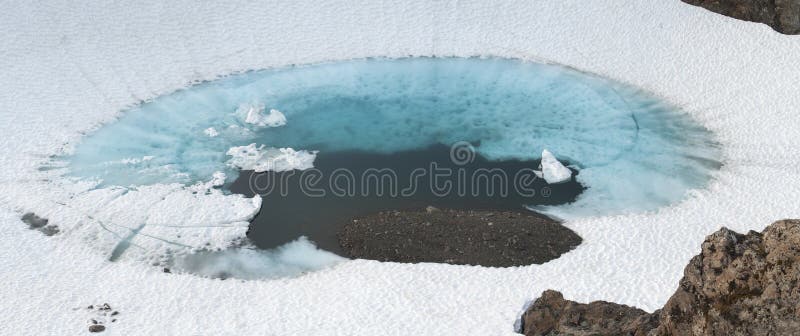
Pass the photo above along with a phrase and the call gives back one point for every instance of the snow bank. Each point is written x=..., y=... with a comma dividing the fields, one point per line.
x=262, y=158
x=292, y=259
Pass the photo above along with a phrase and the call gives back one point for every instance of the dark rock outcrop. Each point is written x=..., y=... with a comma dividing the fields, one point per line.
x=552, y=315
x=781, y=15
x=473, y=237
x=738, y=285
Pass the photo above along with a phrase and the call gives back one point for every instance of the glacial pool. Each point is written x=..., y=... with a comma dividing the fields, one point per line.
x=631, y=151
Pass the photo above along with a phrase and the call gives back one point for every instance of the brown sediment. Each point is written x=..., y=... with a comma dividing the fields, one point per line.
x=470, y=237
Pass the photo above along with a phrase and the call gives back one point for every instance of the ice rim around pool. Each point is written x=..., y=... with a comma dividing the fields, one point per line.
x=633, y=152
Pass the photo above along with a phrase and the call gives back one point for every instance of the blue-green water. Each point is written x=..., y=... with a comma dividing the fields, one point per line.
x=634, y=152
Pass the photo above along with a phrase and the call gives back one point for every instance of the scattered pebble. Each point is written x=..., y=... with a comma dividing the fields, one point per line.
x=33, y=220
x=101, y=313
x=40, y=224
x=95, y=328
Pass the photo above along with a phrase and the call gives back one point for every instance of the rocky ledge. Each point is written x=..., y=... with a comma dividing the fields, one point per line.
x=781, y=15
x=738, y=285
x=472, y=237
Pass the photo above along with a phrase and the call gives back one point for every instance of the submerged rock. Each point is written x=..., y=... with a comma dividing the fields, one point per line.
x=781, y=15
x=739, y=284
x=487, y=238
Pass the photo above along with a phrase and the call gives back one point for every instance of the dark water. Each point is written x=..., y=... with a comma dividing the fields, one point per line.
x=293, y=206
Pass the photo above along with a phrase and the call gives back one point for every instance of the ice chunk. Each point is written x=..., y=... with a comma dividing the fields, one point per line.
x=254, y=114
x=217, y=180
x=135, y=161
x=552, y=170
x=264, y=158
x=211, y=132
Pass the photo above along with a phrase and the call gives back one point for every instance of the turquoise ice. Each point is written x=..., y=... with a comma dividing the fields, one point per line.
x=633, y=151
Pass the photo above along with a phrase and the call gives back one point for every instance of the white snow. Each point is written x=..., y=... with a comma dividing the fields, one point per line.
x=552, y=170
x=217, y=180
x=263, y=158
x=70, y=67
x=211, y=132
x=291, y=259
x=254, y=114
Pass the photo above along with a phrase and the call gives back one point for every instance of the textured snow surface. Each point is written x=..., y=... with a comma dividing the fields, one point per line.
x=288, y=260
x=70, y=67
